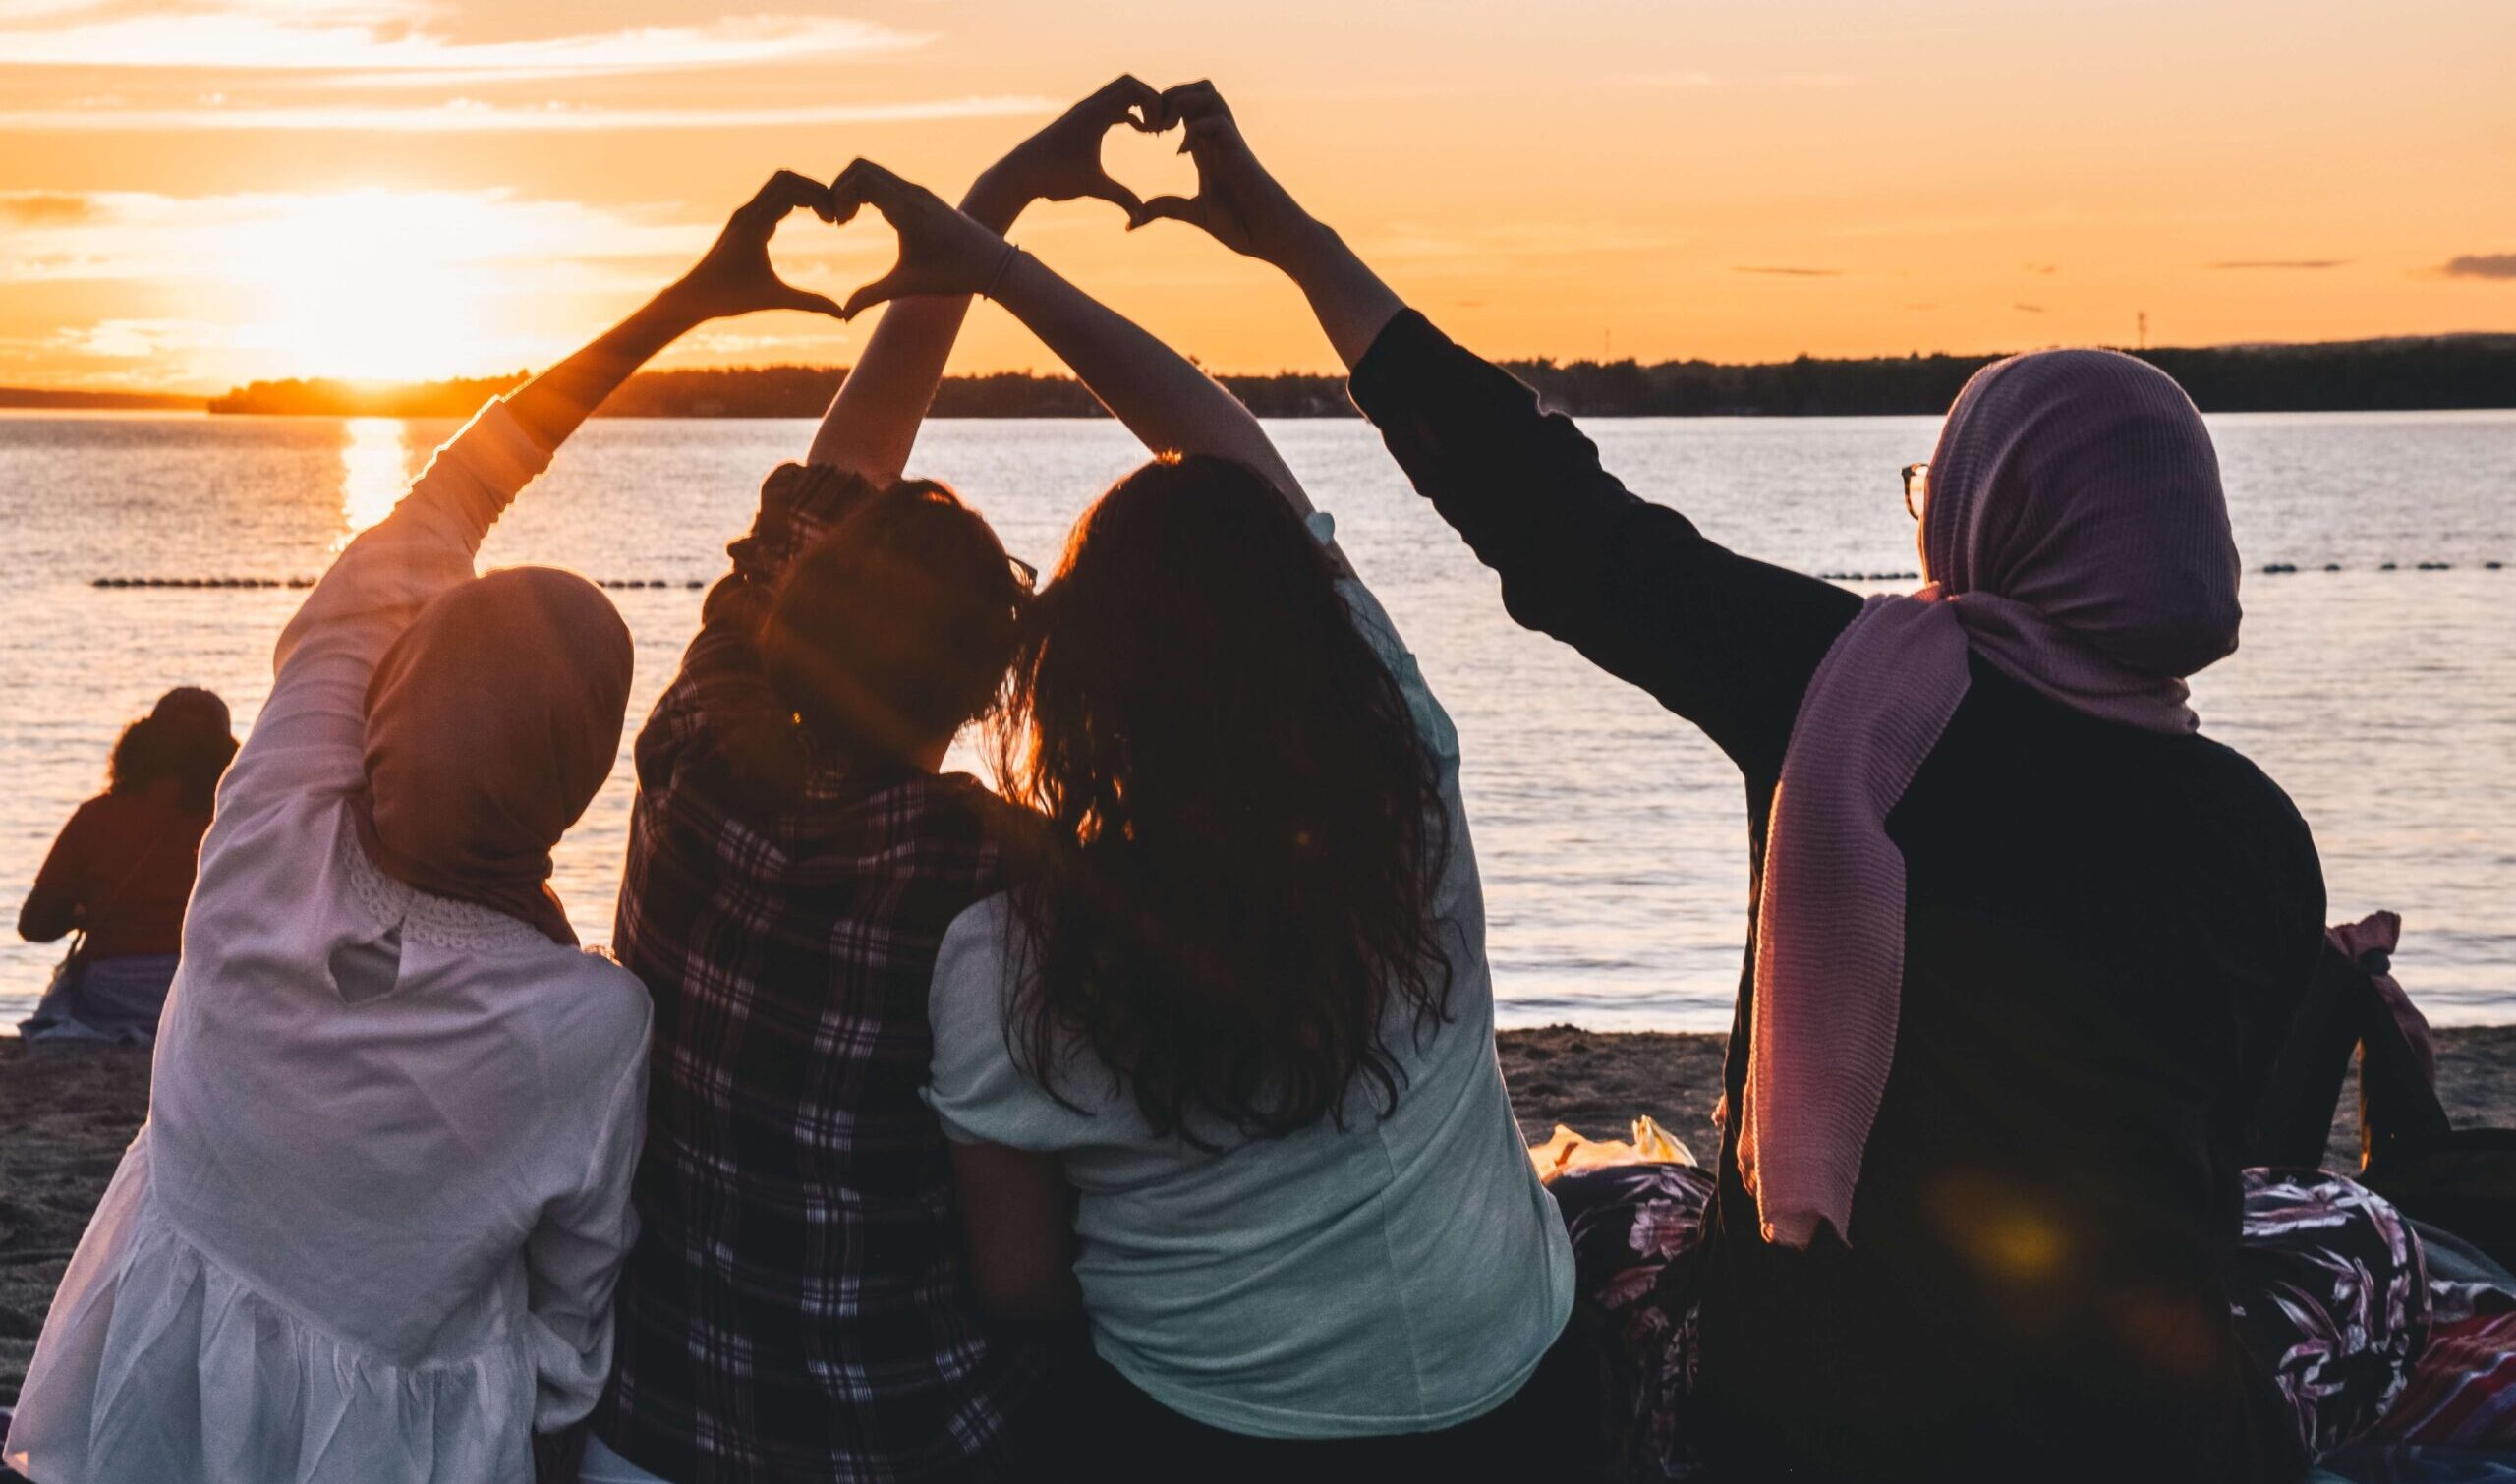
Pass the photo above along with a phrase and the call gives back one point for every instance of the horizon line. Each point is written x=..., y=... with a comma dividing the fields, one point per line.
x=388, y=385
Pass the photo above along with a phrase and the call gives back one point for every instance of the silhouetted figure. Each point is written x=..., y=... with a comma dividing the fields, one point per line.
x=121, y=871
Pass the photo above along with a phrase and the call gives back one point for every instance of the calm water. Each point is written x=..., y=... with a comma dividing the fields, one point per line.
x=1611, y=835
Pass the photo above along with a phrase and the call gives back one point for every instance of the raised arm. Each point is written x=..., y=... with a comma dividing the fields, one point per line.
x=1723, y=640
x=311, y=734
x=1170, y=405
x=873, y=423
x=733, y=278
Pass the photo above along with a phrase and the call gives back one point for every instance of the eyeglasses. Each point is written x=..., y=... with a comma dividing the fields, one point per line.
x=1916, y=488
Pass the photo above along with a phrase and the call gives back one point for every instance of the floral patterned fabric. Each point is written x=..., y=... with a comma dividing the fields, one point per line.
x=1638, y=1254
x=2331, y=1293
x=2329, y=1290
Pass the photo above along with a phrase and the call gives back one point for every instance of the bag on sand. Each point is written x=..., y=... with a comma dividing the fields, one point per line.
x=2463, y=1179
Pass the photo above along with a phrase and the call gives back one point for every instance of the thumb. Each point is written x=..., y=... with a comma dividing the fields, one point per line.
x=882, y=290
x=1109, y=190
x=811, y=302
x=1170, y=208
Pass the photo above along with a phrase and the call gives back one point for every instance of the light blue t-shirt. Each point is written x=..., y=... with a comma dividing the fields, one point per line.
x=1399, y=1275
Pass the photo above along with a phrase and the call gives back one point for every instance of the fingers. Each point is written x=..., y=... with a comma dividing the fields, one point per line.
x=864, y=183
x=881, y=291
x=1109, y=190
x=1190, y=100
x=784, y=191
x=1133, y=99
x=855, y=184
x=1170, y=208
x=810, y=302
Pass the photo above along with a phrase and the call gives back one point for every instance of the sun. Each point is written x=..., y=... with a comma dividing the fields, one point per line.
x=366, y=285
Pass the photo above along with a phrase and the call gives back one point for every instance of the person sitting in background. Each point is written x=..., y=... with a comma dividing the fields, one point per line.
x=120, y=873
x=1219, y=1066
x=370, y=1230
x=2023, y=941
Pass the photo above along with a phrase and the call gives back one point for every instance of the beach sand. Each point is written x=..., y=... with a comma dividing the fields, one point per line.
x=64, y=1115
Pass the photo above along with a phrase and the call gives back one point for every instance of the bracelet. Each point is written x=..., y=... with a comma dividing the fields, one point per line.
x=1003, y=265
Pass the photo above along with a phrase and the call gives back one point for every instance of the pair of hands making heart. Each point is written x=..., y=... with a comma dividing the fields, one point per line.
x=947, y=252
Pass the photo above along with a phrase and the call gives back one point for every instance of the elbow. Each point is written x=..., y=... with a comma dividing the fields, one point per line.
x=1027, y=1297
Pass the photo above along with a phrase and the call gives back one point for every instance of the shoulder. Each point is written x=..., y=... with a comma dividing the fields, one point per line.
x=91, y=819
x=2232, y=794
x=956, y=815
x=975, y=968
x=596, y=1014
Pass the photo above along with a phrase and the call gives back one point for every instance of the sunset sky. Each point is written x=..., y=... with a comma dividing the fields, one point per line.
x=194, y=195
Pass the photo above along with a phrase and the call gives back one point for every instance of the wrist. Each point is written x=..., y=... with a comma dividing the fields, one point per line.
x=993, y=202
x=1309, y=247
x=673, y=311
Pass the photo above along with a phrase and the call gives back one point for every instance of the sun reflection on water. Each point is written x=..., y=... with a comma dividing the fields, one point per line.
x=375, y=471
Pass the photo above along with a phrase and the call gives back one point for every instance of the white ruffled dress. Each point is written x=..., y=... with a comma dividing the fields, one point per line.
x=371, y=1229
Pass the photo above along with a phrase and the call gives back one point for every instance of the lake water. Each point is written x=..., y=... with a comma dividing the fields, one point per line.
x=1612, y=837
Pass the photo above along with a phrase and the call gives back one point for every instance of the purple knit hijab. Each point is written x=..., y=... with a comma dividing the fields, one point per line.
x=2076, y=537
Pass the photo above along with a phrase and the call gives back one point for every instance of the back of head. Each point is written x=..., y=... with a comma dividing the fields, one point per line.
x=490, y=723
x=895, y=628
x=2083, y=485
x=1243, y=825
x=183, y=742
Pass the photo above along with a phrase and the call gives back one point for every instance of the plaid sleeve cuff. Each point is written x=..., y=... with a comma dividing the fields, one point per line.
x=798, y=502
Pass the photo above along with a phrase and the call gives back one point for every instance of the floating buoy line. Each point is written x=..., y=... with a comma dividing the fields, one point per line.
x=695, y=585
x=2267, y=569
x=618, y=584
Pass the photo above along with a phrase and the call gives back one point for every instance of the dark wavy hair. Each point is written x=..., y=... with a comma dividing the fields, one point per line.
x=1242, y=828
x=159, y=749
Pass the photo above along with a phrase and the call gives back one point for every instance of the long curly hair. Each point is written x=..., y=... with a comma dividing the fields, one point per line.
x=1230, y=902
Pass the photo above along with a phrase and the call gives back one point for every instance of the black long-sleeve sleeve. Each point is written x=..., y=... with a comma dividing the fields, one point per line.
x=1723, y=640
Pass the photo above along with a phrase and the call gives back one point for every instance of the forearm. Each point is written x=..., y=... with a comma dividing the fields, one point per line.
x=1352, y=301
x=553, y=404
x=873, y=422
x=1163, y=398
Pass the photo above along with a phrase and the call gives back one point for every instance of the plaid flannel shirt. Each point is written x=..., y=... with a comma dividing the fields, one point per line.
x=796, y=1307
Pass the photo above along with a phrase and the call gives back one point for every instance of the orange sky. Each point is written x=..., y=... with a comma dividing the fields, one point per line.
x=198, y=194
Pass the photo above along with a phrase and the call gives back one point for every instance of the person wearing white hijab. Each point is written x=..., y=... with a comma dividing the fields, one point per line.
x=370, y=1232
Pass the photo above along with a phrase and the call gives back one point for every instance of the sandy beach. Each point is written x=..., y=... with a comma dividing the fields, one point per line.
x=66, y=1114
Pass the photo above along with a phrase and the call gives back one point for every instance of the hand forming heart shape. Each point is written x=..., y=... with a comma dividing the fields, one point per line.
x=942, y=250
x=735, y=277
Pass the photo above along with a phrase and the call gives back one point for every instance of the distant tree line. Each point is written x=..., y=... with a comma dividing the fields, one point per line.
x=2442, y=371
x=64, y=399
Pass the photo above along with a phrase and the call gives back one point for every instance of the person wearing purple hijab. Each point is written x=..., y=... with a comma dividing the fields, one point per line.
x=2023, y=941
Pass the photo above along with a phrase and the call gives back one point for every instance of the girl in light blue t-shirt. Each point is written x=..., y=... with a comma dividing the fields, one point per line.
x=1219, y=1069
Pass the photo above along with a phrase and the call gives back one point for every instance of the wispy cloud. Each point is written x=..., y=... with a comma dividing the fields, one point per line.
x=2284, y=263
x=387, y=41
x=1787, y=272
x=146, y=236
x=45, y=208
x=473, y=116
x=1480, y=244
x=2481, y=265
x=134, y=339
x=1688, y=79
x=2029, y=309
